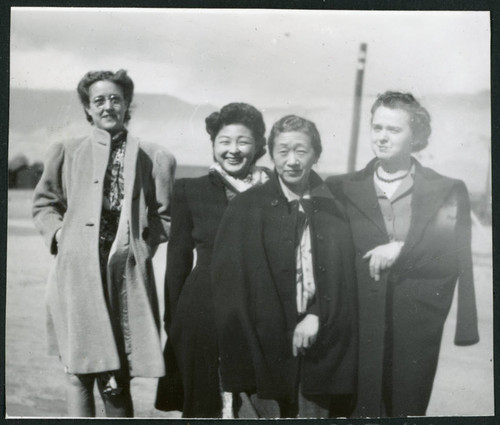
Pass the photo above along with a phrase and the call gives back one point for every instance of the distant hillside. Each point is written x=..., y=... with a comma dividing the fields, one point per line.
x=32, y=109
x=459, y=145
x=38, y=117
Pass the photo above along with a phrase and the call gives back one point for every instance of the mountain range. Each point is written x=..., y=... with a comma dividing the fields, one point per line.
x=459, y=144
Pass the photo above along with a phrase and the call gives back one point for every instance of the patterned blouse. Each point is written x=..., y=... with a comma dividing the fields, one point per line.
x=304, y=274
x=113, y=193
x=113, y=180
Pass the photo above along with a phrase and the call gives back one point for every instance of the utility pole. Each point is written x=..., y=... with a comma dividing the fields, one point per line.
x=358, y=91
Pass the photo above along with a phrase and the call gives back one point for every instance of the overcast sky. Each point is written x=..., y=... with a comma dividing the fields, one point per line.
x=266, y=57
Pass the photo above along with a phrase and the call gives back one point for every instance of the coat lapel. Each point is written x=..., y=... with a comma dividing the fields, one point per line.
x=215, y=195
x=360, y=190
x=429, y=194
x=129, y=172
x=278, y=231
x=100, y=153
x=218, y=187
x=319, y=189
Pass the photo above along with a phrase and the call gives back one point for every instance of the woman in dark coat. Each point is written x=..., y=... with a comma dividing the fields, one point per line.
x=412, y=232
x=102, y=206
x=283, y=279
x=192, y=380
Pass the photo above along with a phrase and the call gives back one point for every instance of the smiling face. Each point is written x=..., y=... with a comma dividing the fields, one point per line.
x=391, y=135
x=107, y=106
x=294, y=156
x=234, y=149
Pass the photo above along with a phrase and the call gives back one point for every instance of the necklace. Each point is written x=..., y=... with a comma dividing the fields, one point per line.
x=390, y=180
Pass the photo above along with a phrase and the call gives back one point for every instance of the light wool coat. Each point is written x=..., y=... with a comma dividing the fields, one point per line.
x=69, y=197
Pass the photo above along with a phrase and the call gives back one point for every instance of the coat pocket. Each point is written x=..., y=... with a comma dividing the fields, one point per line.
x=435, y=294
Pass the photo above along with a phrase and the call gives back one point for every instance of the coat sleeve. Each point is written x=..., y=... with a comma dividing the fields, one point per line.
x=159, y=208
x=179, y=250
x=467, y=328
x=49, y=197
x=235, y=263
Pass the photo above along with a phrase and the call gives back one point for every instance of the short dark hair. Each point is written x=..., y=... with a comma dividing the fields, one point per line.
x=295, y=123
x=420, y=119
x=239, y=113
x=119, y=77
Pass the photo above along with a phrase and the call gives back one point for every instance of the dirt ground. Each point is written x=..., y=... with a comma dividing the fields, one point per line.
x=35, y=381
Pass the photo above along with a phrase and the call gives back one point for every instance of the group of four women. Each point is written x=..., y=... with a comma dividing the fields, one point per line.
x=307, y=299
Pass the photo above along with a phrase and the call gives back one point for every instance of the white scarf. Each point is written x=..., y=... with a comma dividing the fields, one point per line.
x=257, y=175
x=304, y=274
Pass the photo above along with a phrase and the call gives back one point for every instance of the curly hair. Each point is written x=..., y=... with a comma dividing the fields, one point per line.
x=239, y=113
x=119, y=77
x=420, y=119
x=295, y=123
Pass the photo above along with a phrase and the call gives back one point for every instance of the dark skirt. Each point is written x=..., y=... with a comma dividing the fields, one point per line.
x=191, y=383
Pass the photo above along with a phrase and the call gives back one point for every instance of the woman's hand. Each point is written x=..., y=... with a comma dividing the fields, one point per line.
x=305, y=334
x=382, y=257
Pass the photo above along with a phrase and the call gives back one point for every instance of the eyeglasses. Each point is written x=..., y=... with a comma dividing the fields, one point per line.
x=114, y=100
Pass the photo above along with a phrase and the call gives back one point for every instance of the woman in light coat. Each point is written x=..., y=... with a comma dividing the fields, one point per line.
x=412, y=231
x=102, y=207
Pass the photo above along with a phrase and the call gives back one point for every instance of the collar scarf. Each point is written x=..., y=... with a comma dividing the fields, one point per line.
x=257, y=175
x=292, y=196
x=119, y=138
x=304, y=271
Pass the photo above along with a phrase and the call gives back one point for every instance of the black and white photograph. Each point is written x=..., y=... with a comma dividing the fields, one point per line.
x=249, y=213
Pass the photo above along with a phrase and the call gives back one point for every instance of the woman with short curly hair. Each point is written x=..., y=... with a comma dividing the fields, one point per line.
x=283, y=285
x=102, y=206
x=412, y=232
x=192, y=381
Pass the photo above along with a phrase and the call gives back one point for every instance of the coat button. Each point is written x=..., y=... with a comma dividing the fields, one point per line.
x=89, y=224
x=320, y=237
x=274, y=202
x=322, y=269
x=96, y=181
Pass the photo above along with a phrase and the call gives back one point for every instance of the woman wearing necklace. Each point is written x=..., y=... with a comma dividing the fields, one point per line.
x=412, y=233
x=191, y=384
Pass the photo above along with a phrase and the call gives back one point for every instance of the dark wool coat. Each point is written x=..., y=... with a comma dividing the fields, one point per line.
x=192, y=382
x=401, y=316
x=254, y=281
x=69, y=197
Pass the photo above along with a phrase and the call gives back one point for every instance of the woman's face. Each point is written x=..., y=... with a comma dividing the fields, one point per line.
x=294, y=157
x=391, y=134
x=107, y=106
x=234, y=149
